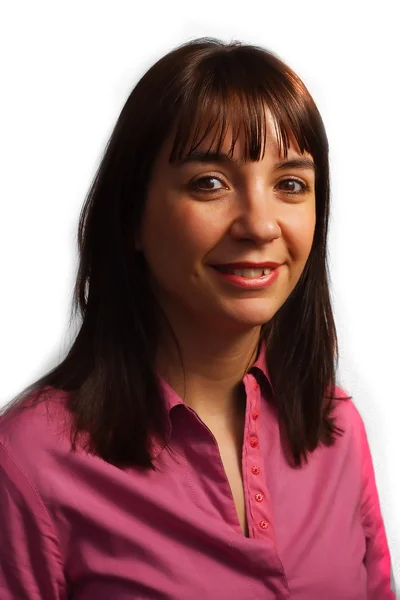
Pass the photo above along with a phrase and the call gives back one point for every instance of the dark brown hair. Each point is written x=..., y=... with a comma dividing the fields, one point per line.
x=109, y=369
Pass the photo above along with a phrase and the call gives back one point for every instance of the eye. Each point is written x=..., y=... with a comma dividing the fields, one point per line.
x=291, y=183
x=195, y=184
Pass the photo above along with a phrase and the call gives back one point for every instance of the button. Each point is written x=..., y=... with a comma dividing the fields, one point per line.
x=263, y=524
x=253, y=442
x=255, y=386
x=255, y=470
x=259, y=497
x=255, y=415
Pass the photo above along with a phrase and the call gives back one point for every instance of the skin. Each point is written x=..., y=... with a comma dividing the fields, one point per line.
x=252, y=216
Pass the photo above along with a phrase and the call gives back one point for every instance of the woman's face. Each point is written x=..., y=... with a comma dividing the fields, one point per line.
x=204, y=220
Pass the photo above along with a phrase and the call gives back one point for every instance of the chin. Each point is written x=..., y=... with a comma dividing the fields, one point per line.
x=251, y=318
x=252, y=322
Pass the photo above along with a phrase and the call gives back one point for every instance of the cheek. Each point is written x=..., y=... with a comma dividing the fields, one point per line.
x=299, y=233
x=201, y=230
x=178, y=234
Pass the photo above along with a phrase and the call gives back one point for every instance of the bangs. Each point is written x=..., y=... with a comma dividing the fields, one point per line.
x=226, y=95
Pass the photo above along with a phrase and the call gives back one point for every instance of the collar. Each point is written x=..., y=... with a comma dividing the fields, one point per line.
x=260, y=363
x=172, y=399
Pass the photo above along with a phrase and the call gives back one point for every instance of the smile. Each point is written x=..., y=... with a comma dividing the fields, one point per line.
x=249, y=279
x=247, y=273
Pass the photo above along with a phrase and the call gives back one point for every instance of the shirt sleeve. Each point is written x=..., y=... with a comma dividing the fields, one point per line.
x=377, y=556
x=30, y=559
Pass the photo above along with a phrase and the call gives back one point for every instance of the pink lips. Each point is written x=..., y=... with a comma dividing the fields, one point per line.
x=245, y=282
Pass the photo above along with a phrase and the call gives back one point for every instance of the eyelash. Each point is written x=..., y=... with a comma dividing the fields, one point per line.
x=304, y=186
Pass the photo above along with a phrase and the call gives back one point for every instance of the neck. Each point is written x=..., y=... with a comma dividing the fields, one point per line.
x=213, y=368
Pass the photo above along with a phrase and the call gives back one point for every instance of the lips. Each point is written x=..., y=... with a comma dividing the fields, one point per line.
x=248, y=270
x=248, y=276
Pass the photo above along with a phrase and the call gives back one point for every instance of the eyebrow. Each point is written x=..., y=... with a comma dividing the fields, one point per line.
x=217, y=157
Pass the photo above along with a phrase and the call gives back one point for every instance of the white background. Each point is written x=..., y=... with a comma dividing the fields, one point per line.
x=67, y=69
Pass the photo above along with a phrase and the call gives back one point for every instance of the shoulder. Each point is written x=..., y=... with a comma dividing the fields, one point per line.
x=349, y=432
x=354, y=440
x=37, y=465
x=36, y=426
x=346, y=413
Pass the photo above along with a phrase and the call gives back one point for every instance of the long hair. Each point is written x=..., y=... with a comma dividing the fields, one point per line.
x=113, y=392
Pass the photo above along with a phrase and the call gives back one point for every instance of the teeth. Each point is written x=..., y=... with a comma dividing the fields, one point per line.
x=251, y=273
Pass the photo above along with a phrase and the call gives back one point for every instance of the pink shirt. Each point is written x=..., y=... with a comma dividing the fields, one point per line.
x=73, y=526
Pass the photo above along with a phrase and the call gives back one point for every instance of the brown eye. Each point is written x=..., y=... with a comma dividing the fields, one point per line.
x=294, y=186
x=205, y=184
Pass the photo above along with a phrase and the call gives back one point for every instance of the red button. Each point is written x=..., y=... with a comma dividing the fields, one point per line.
x=259, y=497
x=255, y=470
x=253, y=442
x=255, y=415
x=263, y=524
x=255, y=386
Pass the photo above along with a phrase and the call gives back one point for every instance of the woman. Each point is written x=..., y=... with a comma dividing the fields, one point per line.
x=211, y=453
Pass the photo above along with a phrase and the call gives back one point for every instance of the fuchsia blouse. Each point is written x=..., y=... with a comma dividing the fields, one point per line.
x=73, y=526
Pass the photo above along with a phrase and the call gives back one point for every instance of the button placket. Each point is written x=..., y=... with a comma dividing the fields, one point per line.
x=257, y=497
x=254, y=441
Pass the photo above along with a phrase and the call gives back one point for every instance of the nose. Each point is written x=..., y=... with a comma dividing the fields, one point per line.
x=257, y=219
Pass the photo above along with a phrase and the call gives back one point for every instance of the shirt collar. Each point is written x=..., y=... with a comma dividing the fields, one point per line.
x=172, y=399
x=260, y=363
